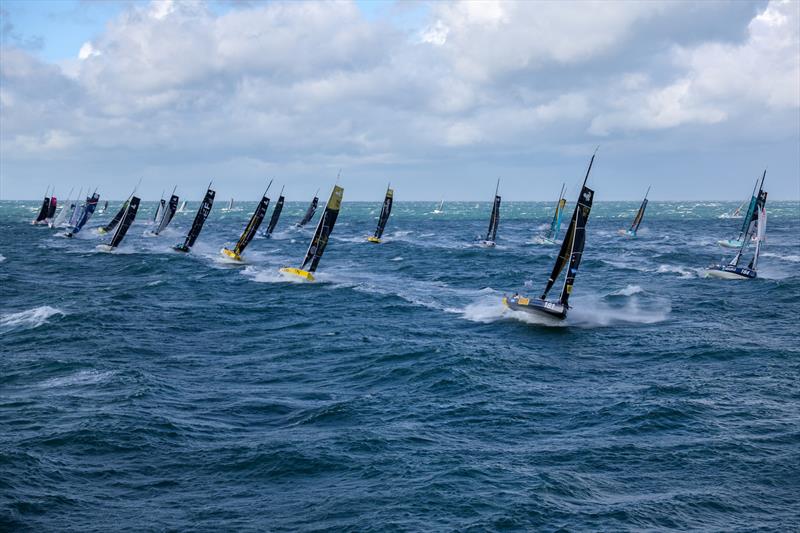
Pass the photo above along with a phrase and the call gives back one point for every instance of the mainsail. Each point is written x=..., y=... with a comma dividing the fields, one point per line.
x=637, y=220
x=386, y=210
x=752, y=215
x=127, y=220
x=755, y=227
x=574, y=241
x=312, y=208
x=167, y=213
x=494, y=219
x=276, y=214
x=182, y=208
x=323, y=231
x=85, y=214
x=43, y=209
x=199, y=220
x=114, y=221
x=555, y=224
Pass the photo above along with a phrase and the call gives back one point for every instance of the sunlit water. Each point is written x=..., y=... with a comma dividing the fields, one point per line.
x=151, y=390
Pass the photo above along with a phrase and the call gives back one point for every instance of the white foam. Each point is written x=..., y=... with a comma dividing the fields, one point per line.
x=30, y=319
x=629, y=290
x=83, y=377
x=2, y=258
x=398, y=258
x=685, y=273
x=790, y=258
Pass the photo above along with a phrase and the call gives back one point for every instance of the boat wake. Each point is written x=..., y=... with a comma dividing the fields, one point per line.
x=30, y=319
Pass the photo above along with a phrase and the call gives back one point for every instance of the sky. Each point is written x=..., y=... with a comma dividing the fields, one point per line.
x=439, y=98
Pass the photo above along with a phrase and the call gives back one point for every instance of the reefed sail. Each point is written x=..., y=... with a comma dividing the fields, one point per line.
x=312, y=208
x=320, y=239
x=251, y=228
x=569, y=255
x=637, y=220
x=122, y=229
x=494, y=220
x=199, y=220
x=383, y=218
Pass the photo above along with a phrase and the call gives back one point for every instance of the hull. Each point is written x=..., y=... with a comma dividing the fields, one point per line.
x=373, y=239
x=104, y=248
x=545, y=241
x=488, y=244
x=101, y=231
x=627, y=233
x=181, y=248
x=230, y=254
x=296, y=272
x=730, y=272
x=730, y=243
x=536, y=307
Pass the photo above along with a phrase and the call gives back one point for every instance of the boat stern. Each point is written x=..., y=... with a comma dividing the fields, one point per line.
x=730, y=272
x=230, y=254
x=373, y=239
x=296, y=272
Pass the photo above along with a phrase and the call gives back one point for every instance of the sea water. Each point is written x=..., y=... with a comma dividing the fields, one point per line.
x=152, y=390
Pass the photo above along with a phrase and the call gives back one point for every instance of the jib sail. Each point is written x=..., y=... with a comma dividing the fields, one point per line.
x=555, y=224
x=167, y=213
x=323, y=231
x=199, y=219
x=572, y=247
x=312, y=208
x=114, y=221
x=125, y=223
x=494, y=219
x=386, y=210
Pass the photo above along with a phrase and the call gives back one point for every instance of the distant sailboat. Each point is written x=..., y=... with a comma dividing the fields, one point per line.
x=494, y=220
x=86, y=212
x=182, y=208
x=62, y=213
x=383, y=218
x=550, y=237
x=103, y=209
x=166, y=215
x=51, y=210
x=637, y=220
x=249, y=230
x=199, y=220
x=312, y=208
x=439, y=210
x=570, y=256
x=276, y=214
x=42, y=215
x=748, y=218
x=736, y=213
x=132, y=207
x=320, y=239
x=230, y=206
x=757, y=230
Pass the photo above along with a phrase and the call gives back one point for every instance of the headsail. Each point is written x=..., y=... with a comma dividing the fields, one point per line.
x=494, y=219
x=637, y=220
x=114, y=221
x=386, y=210
x=312, y=208
x=752, y=214
x=276, y=214
x=199, y=220
x=323, y=231
x=167, y=213
x=51, y=210
x=127, y=220
x=575, y=231
x=760, y=232
x=753, y=228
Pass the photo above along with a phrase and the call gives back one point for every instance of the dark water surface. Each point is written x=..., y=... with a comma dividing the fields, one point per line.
x=149, y=390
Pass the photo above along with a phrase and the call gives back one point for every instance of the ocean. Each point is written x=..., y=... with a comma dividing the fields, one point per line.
x=148, y=390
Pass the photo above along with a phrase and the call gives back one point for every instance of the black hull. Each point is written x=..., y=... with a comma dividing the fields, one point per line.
x=537, y=307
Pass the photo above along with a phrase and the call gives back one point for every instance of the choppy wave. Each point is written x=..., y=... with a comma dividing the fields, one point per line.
x=30, y=319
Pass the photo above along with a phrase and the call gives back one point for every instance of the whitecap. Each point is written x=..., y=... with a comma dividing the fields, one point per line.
x=629, y=290
x=30, y=319
x=83, y=377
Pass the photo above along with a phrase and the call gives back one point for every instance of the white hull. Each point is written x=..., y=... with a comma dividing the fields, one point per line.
x=104, y=248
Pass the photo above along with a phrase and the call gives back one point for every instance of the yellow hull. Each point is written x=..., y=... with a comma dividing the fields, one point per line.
x=101, y=231
x=230, y=253
x=308, y=276
x=373, y=239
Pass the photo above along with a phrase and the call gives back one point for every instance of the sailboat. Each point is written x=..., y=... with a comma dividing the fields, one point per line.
x=439, y=210
x=757, y=229
x=637, y=220
x=736, y=213
x=166, y=215
x=103, y=209
x=748, y=218
x=42, y=215
x=494, y=220
x=51, y=210
x=86, y=212
x=132, y=207
x=199, y=220
x=276, y=214
x=182, y=208
x=550, y=237
x=320, y=239
x=114, y=221
x=249, y=230
x=159, y=208
x=62, y=213
x=571, y=251
x=312, y=208
x=383, y=218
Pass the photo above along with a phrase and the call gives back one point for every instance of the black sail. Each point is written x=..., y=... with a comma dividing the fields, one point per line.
x=51, y=210
x=127, y=220
x=43, y=210
x=114, y=221
x=386, y=210
x=578, y=228
x=565, y=253
x=167, y=213
x=637, y=221
x=323, y=231
x=200, y=219
x=276, y=214
x=494, y=220
x=253, y=225
x=312, y=208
